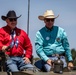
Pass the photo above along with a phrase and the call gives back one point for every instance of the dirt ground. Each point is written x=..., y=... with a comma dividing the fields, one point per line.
x=39, y=73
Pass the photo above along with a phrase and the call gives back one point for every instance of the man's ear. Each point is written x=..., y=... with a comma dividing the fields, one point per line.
x=7, y=20
x=44, y=21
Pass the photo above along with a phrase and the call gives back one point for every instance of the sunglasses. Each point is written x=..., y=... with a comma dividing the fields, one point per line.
x=48, y=20
x=12, y=19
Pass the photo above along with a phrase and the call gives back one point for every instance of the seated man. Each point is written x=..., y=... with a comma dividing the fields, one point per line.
x=51, y=41
x=13, y=41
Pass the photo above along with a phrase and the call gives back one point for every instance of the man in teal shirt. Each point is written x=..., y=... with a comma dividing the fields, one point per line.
x=51, y=41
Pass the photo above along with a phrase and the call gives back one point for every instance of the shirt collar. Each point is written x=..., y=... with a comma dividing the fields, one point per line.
x=49, y=29
x=10, y=28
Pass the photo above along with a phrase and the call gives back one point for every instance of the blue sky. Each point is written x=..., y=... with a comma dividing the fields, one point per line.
x=65, y=8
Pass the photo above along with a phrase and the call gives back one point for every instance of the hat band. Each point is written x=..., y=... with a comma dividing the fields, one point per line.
x=51, y=16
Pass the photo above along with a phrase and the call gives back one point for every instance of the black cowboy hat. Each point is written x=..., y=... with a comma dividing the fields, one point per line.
x=10, y=14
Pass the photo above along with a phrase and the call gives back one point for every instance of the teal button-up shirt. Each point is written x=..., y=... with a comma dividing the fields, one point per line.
x=52, y=41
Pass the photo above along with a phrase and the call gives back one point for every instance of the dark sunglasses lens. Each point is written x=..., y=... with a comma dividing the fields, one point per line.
x=48, y=20
x=52, y=20
x=12, y=19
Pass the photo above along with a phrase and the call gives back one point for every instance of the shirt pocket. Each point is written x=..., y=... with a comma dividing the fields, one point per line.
x=7, y=39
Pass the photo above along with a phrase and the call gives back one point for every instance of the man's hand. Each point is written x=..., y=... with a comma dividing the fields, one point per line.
x=26, y=60
x=49, y=62
x=4, y=48
x=70, y=65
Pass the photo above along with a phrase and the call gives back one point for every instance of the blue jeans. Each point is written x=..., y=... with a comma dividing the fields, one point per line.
x=42, y=65
x=15, y=64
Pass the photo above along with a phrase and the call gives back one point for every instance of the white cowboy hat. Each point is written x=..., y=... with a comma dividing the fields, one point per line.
x=47, y=14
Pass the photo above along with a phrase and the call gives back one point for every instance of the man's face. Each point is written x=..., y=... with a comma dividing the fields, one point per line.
x=11, y=22
x=49, y=22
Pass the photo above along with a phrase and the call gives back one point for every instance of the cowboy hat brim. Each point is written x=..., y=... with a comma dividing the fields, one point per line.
x=43, y=17
x=4, y=17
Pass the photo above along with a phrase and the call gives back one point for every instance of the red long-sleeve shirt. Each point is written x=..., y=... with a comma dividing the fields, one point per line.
x=23, y=39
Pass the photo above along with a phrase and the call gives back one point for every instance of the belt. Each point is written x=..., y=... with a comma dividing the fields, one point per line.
x=63, y=54
x=16, y=56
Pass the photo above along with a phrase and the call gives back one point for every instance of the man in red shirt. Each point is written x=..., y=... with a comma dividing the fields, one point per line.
x=13, y=41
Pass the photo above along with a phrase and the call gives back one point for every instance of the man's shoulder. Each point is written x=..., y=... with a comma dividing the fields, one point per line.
x=39, y=32
x=59, y=28
x=2, y=28
x=42, y=29
x=21, y=31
